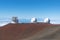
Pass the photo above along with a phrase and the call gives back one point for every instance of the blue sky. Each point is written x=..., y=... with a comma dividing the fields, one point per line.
x=30, y=8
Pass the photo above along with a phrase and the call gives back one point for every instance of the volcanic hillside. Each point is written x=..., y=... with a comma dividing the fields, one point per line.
x=25, y=31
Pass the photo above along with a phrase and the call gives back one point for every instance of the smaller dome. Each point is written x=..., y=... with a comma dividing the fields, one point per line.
x=47, y=20
x=33, y=20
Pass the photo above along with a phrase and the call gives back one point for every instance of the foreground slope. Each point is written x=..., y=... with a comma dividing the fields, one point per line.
x=28, y=31
x=50, y=33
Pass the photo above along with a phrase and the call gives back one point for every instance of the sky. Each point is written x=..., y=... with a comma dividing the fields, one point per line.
x=31, y=8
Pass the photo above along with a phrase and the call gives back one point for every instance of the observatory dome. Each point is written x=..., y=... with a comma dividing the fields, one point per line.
x=46, y=20
x=14, y=20
x=33, y=20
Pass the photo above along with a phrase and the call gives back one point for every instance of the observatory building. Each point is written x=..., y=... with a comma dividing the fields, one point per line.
x=15, y=20
x=46, y=20
x=33, y=20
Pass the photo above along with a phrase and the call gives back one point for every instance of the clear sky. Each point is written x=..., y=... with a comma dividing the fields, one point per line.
x=30, y=8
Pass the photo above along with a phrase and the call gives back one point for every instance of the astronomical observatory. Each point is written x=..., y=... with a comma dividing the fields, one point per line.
x=33, y=20
x=15, y=20
x=46, y=20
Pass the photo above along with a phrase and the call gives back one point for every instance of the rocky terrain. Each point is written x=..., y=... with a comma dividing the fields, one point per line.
x=30, y=31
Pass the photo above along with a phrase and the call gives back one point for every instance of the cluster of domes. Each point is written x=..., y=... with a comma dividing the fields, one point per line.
x=15, y=20
x=33, y=20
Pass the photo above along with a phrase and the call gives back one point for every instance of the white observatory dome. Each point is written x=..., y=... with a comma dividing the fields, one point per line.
x=46, y=20
x=33, y=20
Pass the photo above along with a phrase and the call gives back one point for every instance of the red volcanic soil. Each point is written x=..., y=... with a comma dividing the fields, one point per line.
x=21, y=31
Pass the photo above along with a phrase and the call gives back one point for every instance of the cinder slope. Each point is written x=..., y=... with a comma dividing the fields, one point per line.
x=29, y=31
x=50, y=33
